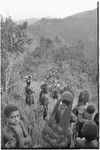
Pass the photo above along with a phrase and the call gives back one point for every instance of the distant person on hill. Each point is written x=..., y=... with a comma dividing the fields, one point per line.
x=29, y=92
x=82, y=101
x=79, y=109
x=44, y=103
x=14, y=134
x=42, y=92
x=89, y=133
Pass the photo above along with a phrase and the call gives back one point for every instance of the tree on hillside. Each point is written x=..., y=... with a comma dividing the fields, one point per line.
x=13, y=36
x=13, y=41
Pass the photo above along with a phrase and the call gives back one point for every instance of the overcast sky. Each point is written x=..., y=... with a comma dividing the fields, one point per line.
x=22, y=9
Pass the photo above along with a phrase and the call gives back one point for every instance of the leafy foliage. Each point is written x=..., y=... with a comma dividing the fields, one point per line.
x=13, y=36
x=13, y=41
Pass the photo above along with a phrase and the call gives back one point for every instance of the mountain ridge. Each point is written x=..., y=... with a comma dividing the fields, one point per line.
x=82, y=26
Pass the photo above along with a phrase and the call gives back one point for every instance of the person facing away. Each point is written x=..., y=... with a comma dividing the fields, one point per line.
x=79, y=109
x=59, y=114
x=60, y=121
x=14, y=134
x=89, y=132
x=82, y=101
x=29, y=92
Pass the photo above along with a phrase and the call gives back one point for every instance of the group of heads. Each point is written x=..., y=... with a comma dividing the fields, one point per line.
x=89, y=129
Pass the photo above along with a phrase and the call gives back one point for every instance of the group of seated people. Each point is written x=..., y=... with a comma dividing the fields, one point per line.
x=84, y=123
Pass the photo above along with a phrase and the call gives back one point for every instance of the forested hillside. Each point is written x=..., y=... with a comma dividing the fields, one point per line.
x=71, y=29
x=55, y=51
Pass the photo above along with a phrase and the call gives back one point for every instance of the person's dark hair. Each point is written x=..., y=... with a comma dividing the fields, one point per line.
x=66, y=102
x=54, y=94
x=90, y=109
x=96, y=119
x=44, y=87
x=29, y=77
x=9, y=109
x=89, y=130
x=83, y=97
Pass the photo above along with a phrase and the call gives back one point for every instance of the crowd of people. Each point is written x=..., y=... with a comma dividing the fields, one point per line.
x=67, y=127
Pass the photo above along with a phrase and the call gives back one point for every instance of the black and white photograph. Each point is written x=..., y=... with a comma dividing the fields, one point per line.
x=49, y=74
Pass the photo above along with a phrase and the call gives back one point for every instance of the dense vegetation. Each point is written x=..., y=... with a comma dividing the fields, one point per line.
x=51, y=60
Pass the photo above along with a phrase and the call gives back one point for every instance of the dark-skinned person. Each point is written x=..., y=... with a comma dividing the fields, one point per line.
x=29, y=92
x=89, y=133
x=88, y=112
x=44, y=103
x=42, y=92
x=14, y=134
x=82, y=101
x=78, y=111
x=56, y=133
x=96, y=120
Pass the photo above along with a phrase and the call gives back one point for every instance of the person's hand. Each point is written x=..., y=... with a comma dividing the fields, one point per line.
x=10, y=144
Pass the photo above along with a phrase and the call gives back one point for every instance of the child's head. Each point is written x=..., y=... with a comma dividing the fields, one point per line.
x=90, y=109
x=12, y=114
x=88, y=113
x=83, y=97
x=90, y=130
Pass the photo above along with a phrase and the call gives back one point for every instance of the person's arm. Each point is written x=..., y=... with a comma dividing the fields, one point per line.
x=75, y=111
x=73, y=118
x=11, y=140
x=80, y=119
x=24, y=129
x=27, y=138
x=21, y=142
x=10, y=144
